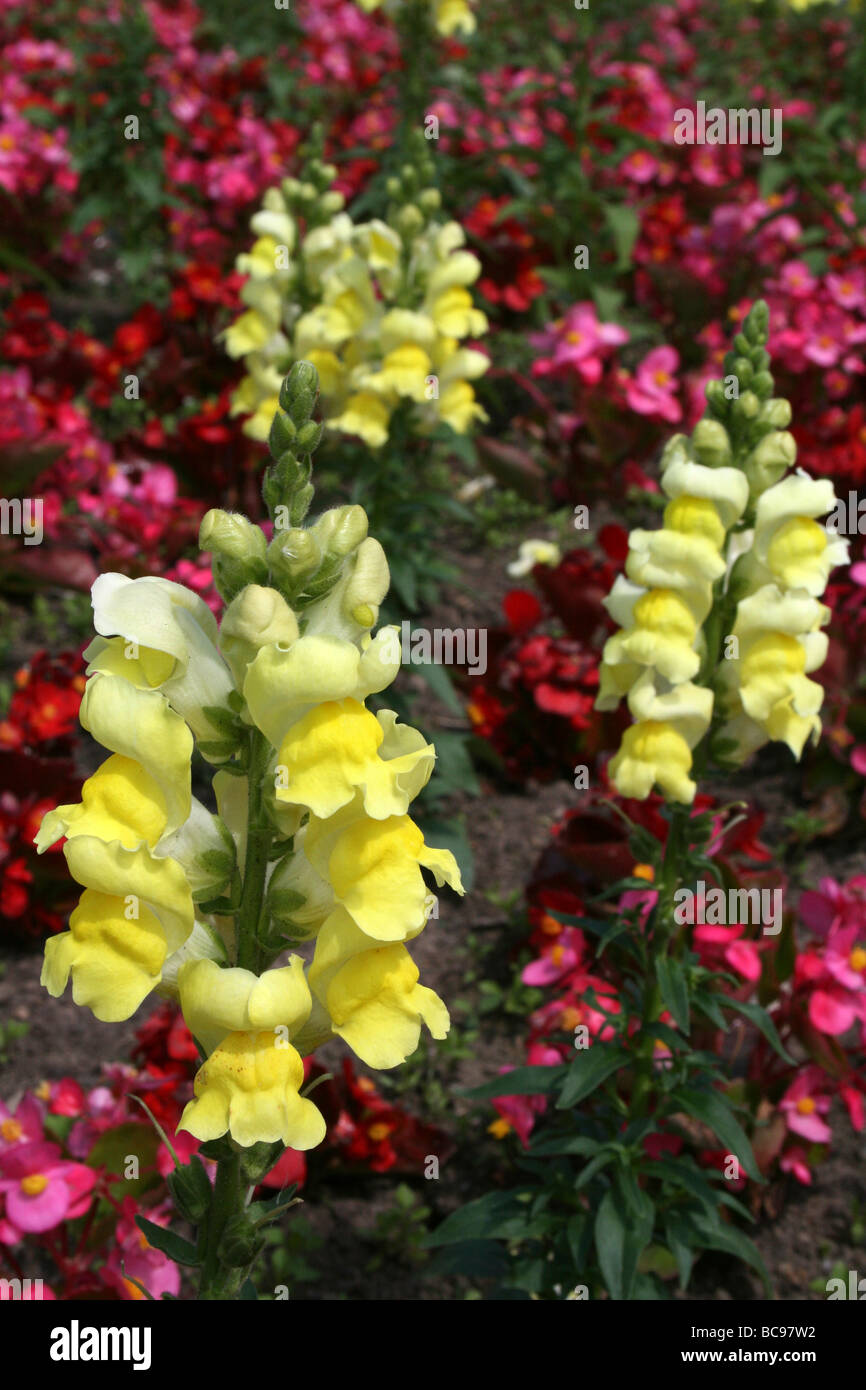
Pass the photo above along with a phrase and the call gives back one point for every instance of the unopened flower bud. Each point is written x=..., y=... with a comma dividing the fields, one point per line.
x=767, y=462
x=190, y=1187
x=430, y=200
x=258, y=1160
x=332, y=202
x=240, y=1242
x=410, y=220
x=238, y=549
x=342, y=529
x=746, y=405
x=776, y=412
x=711, y=443
x=294, y=553
x=257, y=617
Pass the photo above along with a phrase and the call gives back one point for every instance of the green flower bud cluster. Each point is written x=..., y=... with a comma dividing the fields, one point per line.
x=746, y=425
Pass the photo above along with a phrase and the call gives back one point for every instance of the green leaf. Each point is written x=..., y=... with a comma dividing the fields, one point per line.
x=522, y=1081
x=762, y=1021
x=716, y=1235
x=624, y=225
x=620, y=1238
x=589, y=1068
x=496, y=1214
x=674, y=989
x=183, y=1252
x=679, y=1236
x=713, y=1110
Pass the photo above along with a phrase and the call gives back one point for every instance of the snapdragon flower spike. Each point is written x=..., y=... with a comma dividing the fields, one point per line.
x=312, y=839
x=381, y=309
x=718, y=610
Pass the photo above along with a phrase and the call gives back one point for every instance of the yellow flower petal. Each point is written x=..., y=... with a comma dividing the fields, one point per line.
x=249, y=1087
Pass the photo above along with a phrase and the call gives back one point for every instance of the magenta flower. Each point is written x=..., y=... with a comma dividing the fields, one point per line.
x=652, y=389
x=803, y=1106
x=577, y=342
x=134, y=1258
x=742, y=956
x=42, y=1188
x=794, y=1161
x=21, y=1126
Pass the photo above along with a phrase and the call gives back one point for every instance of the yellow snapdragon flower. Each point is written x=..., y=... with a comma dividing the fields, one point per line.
x=382, y=312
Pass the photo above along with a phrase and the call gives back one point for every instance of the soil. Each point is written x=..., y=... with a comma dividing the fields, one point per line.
x=816, y=1230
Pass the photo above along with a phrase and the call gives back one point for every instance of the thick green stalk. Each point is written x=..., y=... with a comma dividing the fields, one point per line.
x=662, y=923
x=260, y=835
x=217, y=1280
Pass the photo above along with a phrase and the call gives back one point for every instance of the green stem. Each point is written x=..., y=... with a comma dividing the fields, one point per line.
x=662, y=923
x=217, y=1280
x=260, y=836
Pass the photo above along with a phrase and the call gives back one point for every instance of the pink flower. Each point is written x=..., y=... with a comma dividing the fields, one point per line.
x=21, y=1126
x=794, y=1161
x=652, y=390
x=134, y=1258
x=741, y=956
x=803, y=1107
x=797, y=280
x=578, y=342
x=42, y=1188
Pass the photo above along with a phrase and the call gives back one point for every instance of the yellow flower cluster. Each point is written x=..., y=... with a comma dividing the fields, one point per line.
x=719, y=611
x=313, y=793
x=381, y=309
x=661, y=607
x=765, y=690
x=449, y=16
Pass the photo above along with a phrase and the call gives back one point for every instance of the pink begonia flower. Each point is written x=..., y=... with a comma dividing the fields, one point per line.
x=848, y=290
x=803, y=1106
x=853, y=1100
x=794, y=1161
x=519, y=1112
x=858, y=752
x=640, y=165
x=578, y=341
x=134, y=1258
x=42, y=1188
x=741, y=956
x=560, y=956
x=21, y=1126
x=651, y=391
x=797, y=280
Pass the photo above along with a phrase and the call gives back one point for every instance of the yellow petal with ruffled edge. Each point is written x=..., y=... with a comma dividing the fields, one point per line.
x=672, y=560
x=372, y=994
x=726, y=488
x=119, y=802
x=653, y=754
x=454, y=16
x=281, y=684
x=141, y=725
x=115, y=961
x=333, y=751
x=374, y=868
x=137, y=878
x=249, y=1087
x=771, y=671
x=216, y=1002
x=365, y=415
x=249, y=333
x=404, y=371
x=662, y=637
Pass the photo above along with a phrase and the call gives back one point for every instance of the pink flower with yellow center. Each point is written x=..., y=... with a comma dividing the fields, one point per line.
x=42, y=1188
x=803, y=1105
